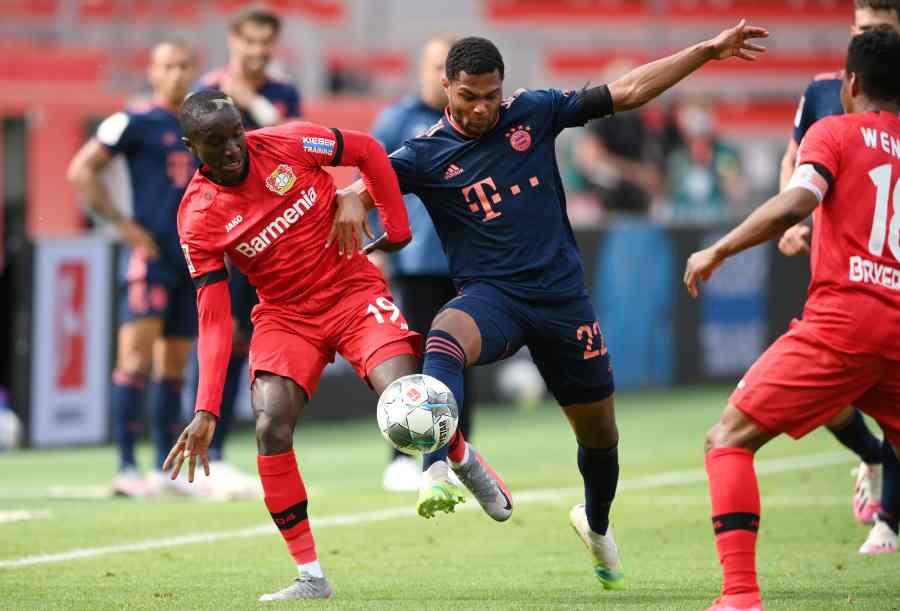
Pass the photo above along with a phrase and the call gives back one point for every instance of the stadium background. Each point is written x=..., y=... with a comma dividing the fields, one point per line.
x=65, y=64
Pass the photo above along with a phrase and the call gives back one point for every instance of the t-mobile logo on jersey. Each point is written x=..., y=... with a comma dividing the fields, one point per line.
x=279, y=225
x=482, y=200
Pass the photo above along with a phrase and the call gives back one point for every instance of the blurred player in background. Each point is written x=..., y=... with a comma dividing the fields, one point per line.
x=158, y=319
x=487, y=174
x=846, y=348
x=265, y=200
x=876, y=495
x=263, y=100
x=419, y=272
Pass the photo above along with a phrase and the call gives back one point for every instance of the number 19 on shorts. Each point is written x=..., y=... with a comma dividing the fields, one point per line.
x=385, y=311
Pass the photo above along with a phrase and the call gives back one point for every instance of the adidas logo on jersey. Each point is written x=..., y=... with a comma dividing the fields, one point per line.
x=234, y=222
x=452, y=171
x=279, y=225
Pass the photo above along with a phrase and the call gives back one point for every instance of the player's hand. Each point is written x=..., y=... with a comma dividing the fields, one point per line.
x=700, y=266
x=139, y=239
x=384, y=245
x=351, y=224
x=795, y=241
x=735, y=42
x=193, y=442
x=238, y=90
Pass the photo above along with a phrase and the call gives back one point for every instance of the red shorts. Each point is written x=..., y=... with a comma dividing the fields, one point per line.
x=800, y=383
x=364, y=326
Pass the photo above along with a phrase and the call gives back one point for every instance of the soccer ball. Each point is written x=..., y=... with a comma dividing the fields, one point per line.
x=417, y=414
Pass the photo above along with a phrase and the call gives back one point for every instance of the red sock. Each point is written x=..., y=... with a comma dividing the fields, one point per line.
x=735, y=516
x=286, y=501
x=457, y=447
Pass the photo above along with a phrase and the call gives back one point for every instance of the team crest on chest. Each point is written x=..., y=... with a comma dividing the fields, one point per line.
x=519, y=138
x=282, y=179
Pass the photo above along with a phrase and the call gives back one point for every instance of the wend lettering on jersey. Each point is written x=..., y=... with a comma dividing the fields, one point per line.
x=484, y=201
x=878, y=139
x=279, y=225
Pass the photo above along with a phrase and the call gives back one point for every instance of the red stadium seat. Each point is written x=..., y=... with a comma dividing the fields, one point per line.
x=29, y=9
x=803, y=11
x=140, y=10
x=564, y=10
x=320, y=10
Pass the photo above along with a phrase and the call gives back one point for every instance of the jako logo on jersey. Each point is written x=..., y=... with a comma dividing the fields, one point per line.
x=452, y=171
x=322, y=146
x=281, y=180
x=234, y=222
x=519, y=138
x=279, y=225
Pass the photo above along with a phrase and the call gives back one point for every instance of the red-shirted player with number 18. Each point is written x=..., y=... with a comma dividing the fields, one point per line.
x=846, y=349
x=263, y=199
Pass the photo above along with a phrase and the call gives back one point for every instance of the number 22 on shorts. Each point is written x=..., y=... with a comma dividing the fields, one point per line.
x=588, y=334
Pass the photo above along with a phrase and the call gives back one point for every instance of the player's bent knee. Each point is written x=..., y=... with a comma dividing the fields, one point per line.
x=277, y=403
x=464, y=330
x=735, y=430
x=273, y=435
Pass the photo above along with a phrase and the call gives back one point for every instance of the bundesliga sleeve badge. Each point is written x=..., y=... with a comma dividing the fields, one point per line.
x=281, y=180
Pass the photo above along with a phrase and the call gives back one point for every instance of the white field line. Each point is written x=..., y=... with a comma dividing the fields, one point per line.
x=19, y=516
x=670, y=478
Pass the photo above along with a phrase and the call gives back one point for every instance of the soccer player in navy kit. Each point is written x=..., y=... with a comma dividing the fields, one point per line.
x=158, y=318
x=876, y=498
x=419, y=273
x=264, y=101
x=488, y=176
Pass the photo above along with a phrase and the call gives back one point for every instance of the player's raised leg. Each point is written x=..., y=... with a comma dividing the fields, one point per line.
x=277, y=404
x=454, y=341
x=133, y=363
x=851, y=430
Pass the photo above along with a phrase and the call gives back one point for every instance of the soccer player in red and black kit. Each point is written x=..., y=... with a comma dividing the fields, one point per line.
x=846, y=349
x=264, y=199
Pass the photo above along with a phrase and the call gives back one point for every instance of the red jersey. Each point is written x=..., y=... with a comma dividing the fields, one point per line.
x=273, y=226
x=854, y=295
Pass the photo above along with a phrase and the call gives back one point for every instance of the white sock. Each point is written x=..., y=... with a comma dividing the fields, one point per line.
x=313, y=569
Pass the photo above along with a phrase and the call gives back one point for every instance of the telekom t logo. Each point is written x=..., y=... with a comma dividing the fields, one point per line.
x=488, y=195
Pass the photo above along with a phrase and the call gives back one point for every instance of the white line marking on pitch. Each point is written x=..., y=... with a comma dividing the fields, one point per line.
x=670, y=478
x=21, y=515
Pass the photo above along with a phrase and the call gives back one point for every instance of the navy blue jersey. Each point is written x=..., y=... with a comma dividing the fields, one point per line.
x=282, y=94
x=159, y=166
x=406, y=119
x=821, y=99
x=497, y=201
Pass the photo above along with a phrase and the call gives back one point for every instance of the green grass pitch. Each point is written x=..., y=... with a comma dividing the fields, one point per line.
x=395, y=560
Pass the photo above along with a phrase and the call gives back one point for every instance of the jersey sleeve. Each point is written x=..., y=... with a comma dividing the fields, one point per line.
x=205, y=263
x=806, y=113
x=565, y=108
x=117, y=133
x=821, y=148
x=403, y=160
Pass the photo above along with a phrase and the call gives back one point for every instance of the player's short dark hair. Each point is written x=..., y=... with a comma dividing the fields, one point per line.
x=879, y=5
x=199, y=104
x=474, y=55
x=257, y=14
x=874, y=57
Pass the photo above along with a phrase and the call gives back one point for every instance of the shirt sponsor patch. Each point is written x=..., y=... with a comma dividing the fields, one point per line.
x=321, y=146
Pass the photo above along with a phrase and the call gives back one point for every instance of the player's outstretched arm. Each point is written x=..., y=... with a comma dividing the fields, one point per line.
x=765, y=223
x=213, y=352
x=650, y=80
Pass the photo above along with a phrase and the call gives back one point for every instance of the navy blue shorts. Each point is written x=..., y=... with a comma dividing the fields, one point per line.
x=157, y=289
x=563, y=337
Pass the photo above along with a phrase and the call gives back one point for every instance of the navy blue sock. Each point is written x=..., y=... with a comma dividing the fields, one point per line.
x=445, y=360
x=890, y=487
x=165, y=408
x=600, y=471
x=230, y=391
x=127, y=392
x=857, y=437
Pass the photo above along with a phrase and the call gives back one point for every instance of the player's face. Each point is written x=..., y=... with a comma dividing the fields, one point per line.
x=475, y=100
x=220, y=144
x=867, y=19
x=172, y=70
x=252, y=47
x=432, y=72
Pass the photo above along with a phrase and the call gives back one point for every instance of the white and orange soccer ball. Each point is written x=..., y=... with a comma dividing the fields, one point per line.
x=417, y=414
